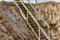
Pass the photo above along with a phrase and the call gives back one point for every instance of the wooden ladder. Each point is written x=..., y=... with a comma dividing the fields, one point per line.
x=47, y=29
x=24, y=14
x=34, y=22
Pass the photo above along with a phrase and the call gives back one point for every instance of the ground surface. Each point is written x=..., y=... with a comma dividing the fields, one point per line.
x=49, y=10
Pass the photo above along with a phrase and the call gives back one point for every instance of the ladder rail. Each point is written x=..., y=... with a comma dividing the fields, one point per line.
x=40, y=17
x=40, y=13
x=25, y=19
x=35, y=20
x=36, y=12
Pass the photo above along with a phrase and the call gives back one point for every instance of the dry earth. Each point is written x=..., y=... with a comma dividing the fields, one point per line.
x=49, y=10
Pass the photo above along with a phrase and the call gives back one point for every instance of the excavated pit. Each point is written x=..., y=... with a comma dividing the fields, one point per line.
x=47, y=9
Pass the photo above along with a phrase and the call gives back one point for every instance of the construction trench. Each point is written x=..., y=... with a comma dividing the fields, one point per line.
x=27, y=21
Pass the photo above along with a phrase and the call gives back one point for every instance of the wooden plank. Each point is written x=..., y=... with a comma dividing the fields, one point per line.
x=25, y=19
x=41, y=17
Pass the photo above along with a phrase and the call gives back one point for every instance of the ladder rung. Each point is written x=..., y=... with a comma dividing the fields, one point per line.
x=16, y=1
x=27, y=22
x=34, y=25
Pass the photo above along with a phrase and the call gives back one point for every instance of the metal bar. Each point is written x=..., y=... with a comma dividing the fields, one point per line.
x=36, y=2
x=35, y=20
x=25, y=19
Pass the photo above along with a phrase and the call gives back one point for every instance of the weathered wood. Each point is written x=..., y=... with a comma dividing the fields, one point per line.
x=47, y=8
x=26, y=19
x=35, y=20
x=40, y=15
